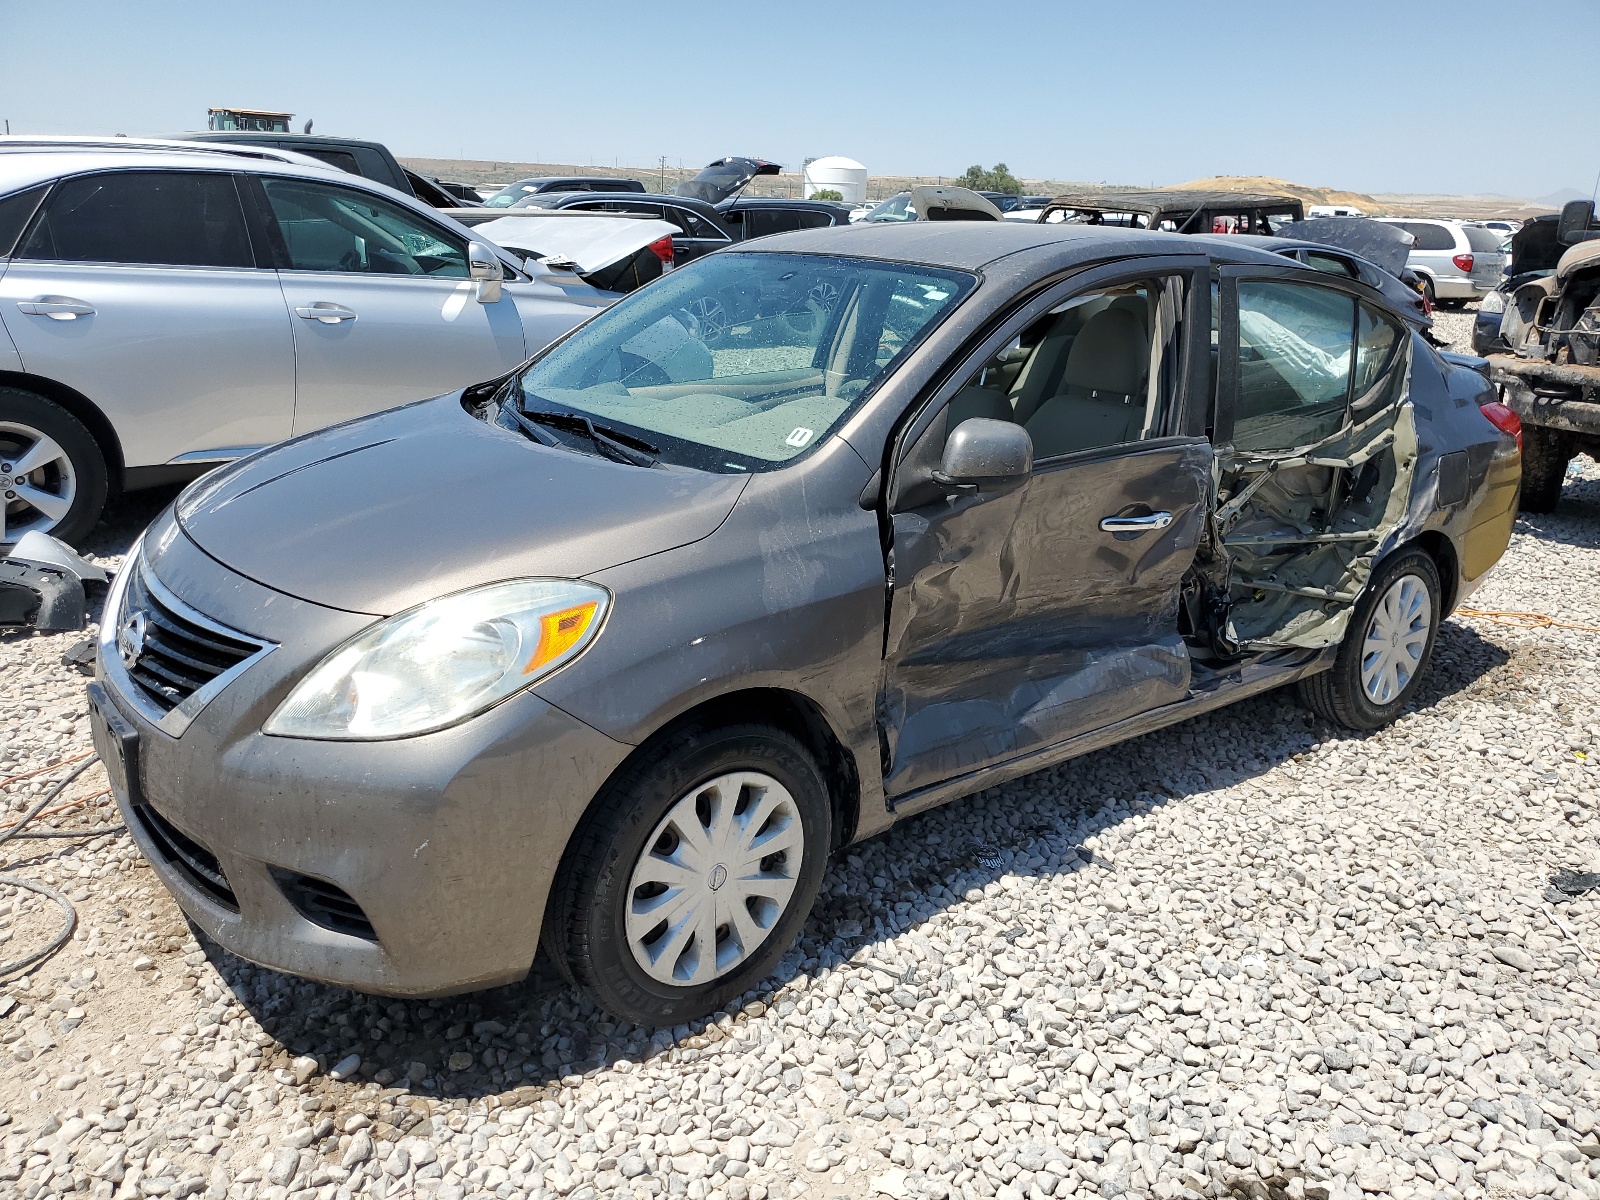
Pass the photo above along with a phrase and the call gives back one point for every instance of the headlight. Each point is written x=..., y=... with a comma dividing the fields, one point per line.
x=1494, y=302
x=443, y=661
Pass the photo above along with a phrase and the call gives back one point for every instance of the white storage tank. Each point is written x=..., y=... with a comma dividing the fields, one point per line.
x=843, y=175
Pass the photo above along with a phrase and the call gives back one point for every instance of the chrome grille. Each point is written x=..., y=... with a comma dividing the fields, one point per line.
x=168, y=656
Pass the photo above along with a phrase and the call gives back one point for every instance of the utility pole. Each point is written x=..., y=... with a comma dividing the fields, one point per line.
x=662, y=162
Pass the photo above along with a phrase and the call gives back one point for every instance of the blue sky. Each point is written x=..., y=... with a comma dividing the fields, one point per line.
x=1386, y=97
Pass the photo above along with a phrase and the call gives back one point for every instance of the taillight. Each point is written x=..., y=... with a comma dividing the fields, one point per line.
x=662, y=249
x=1503, y=419
x=1463, y=262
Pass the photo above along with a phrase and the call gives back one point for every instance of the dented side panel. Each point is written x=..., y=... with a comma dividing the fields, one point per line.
x=1015, y=621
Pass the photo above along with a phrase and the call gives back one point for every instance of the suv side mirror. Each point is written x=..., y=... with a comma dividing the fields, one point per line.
x=981, y=455
x=1577, y=216
x=483, y=266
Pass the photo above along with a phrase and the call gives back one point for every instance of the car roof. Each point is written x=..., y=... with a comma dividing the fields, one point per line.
x=972, y=245
x=1167, y=201
x=26, y=161
x=781, y=202
x=243, y=137
x=636, y=198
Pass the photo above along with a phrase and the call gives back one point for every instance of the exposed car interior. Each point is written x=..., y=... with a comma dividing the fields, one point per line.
x=1080, y=378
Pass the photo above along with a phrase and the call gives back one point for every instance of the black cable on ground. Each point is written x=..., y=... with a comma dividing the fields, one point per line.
x=16, y=831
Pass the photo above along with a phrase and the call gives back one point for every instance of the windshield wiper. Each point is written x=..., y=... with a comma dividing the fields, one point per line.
x=606, y=441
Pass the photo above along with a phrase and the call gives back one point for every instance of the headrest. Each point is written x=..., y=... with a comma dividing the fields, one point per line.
x=1109, y=354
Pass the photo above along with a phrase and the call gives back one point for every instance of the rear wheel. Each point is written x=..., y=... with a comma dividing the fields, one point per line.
x=1386, y=649
x=692, y=874
x=53, y=477
x=1545, y=455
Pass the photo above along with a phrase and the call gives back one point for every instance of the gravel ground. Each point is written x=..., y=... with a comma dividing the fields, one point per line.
x=1251, y=955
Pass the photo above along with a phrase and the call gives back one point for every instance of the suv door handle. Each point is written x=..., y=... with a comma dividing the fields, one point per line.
x=325, y=311
x=57, y=308
x=1159, y=520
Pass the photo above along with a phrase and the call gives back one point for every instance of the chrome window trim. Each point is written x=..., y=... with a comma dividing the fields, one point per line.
x=178, y=719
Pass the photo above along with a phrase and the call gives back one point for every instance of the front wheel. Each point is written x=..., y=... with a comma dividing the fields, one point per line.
x=1386, y=648
x=53, y=477
x=692, y=873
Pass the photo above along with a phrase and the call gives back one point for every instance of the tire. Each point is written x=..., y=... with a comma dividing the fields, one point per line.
x=1409, y=583
x=64, y=492
x=1545, y=455
x=631, y=835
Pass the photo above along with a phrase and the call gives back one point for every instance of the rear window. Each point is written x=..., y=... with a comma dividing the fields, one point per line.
x=1430, y=235
x=1487, y=241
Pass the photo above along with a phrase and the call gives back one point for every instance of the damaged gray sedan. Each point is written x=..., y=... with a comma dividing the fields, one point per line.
x=612, y=653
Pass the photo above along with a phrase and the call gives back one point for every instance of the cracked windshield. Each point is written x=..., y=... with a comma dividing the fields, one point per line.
x=741, y=362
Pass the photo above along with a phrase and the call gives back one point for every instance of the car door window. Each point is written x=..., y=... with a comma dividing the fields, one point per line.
x=696, y=226
x=1329, y=264
x=342, y=159
x=759, y=222
x=16, y=210
x=330, y=228
x=154, y=218
x=1295, y=350
x=810, y=219
x=1377, y=342
x=1100, y=370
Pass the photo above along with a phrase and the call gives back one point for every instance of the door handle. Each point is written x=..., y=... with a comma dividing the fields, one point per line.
x=1158, y=520
x=325, y=311
x=57, y=308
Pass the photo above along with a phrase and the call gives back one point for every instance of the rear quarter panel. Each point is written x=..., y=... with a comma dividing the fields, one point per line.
x=1450, y=423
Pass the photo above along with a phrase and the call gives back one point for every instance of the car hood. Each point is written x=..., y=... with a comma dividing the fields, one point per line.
x=590, y=242
x=385, y=512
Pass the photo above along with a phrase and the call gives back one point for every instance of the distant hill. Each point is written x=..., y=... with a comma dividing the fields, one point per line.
x=1282, y=187
x=1564, y=196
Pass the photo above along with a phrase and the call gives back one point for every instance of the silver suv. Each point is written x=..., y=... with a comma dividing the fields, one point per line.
x=168, y=307
x=1454, y=261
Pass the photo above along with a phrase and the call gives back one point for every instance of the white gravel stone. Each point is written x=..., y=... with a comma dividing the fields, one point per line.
x=1247, y=951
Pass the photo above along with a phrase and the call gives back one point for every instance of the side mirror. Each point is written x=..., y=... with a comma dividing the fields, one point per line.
x=1576, y=218
x=483, y=265
x=981, y=455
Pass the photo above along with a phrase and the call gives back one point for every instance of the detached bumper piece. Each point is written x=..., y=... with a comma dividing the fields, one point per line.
x=42, y=585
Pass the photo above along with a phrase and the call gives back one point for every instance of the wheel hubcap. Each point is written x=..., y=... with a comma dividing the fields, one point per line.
x=37, y=482
x=1397, y=636
x=715, y=877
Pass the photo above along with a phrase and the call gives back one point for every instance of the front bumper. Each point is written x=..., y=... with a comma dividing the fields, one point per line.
x=413, y=867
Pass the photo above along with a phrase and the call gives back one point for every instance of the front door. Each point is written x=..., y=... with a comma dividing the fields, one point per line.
x=141, y=290
x=383, y=310
x=1020, y=619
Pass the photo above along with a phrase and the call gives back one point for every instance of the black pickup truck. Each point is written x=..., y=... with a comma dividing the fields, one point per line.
x=370, y=160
